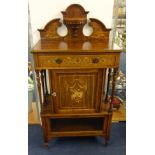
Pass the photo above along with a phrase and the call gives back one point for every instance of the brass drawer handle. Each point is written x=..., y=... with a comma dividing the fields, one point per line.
x=58, y=61
x=95, y=60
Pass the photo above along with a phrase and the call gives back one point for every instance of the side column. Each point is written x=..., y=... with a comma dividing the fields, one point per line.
x=113, y=88
x=38, y=78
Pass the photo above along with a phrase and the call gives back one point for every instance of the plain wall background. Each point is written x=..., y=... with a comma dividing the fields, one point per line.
x=42, y=11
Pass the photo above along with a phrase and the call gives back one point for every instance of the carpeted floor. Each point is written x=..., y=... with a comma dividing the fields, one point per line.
x=78, y=145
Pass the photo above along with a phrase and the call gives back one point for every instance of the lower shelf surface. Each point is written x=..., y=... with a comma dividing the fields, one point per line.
x=76, y=133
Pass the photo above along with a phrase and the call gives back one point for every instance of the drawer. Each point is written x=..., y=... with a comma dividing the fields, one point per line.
x=76, y=61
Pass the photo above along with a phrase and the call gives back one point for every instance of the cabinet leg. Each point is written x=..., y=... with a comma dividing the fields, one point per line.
x=45, y=142
x=44, y=124
x=46, y=145
x=106, y=141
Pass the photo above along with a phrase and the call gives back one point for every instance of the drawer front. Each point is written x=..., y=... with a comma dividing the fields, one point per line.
x=76, y=61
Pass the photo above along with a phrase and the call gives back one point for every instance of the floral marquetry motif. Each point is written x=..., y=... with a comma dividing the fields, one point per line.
x=99, y=30
x=77, y=90
x=50, y=30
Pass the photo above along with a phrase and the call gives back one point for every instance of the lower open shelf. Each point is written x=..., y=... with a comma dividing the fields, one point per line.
x=76, y=124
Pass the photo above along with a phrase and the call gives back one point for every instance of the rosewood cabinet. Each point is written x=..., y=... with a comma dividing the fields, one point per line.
x=73, y=74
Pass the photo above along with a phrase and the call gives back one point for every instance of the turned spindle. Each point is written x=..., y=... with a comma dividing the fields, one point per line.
x=113, y=88
x=39, y=85
x=107, y=91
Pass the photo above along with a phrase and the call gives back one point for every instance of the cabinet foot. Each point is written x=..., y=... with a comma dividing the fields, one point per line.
x=106, y=141
x=46, y=145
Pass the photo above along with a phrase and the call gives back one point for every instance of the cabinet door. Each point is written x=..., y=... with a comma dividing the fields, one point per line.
x=77, y=91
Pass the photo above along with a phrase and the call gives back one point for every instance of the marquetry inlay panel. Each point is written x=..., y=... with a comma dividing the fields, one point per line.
x=75, y=91
x=99, y=30
x=50, y=30
x=76, y=88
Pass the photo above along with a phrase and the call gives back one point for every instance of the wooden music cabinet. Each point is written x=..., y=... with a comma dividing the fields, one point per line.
x=73, y=74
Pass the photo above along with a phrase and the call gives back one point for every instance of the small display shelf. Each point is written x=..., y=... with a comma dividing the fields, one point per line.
x=76, y=124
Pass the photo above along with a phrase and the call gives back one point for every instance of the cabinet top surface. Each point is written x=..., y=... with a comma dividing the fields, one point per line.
x=49, y=45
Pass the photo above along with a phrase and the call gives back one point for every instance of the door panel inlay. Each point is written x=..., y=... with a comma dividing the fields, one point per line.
x=76, y=90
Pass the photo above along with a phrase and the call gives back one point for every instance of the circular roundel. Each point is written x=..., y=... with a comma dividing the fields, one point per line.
x=87, y=30
x=62, y=30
